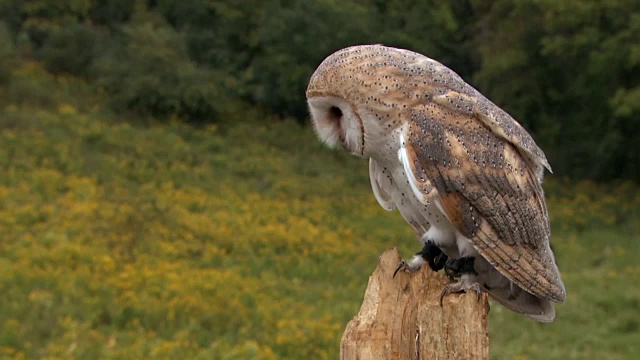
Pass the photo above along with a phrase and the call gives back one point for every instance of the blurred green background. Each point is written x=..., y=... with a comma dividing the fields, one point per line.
x=163, y=196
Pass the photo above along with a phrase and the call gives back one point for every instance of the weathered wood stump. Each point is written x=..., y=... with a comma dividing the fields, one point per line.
x=402, y=318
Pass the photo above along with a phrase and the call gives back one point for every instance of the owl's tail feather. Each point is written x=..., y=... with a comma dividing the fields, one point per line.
x=520, y=301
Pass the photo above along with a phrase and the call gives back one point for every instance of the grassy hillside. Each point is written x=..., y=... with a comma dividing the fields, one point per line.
x=246, y=240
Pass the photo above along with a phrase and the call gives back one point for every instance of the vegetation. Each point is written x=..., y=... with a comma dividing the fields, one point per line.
x=569, y=70
x=122, y=240
x=162, y=197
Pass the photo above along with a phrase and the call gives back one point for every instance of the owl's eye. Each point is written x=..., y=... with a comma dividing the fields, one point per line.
x=335, y=114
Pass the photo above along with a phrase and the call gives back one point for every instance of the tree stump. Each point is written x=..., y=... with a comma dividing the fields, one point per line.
x=402, y=318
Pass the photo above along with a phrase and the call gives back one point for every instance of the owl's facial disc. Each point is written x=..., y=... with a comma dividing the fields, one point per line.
x=336, y=123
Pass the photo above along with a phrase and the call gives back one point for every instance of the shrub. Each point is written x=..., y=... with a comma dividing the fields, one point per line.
x=70, y=50
x=7, y=54
x=150, y=73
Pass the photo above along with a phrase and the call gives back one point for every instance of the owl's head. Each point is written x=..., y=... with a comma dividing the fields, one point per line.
x=345, y=98
x=359, y=95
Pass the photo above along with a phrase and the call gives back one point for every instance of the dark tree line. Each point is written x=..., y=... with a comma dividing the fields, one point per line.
x=568, y=70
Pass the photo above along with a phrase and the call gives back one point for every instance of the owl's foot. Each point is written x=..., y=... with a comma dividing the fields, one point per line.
x=455, y=268
x=409, y=267
x=430, y=254
x=461, y=268
x=466, y=283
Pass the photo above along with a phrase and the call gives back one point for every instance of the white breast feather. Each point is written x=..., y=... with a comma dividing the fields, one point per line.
x=404, y=160
x=384, y=199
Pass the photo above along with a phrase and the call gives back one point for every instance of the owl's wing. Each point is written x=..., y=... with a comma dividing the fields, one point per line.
x=489, y=191
x=456, y=96
x=375, y=175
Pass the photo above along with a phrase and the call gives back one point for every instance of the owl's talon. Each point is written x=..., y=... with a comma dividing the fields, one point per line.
x=466, y=283
x=430, y=254
x=402, y=265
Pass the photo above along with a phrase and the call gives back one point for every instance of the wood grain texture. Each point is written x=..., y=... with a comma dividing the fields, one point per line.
x=401, y=318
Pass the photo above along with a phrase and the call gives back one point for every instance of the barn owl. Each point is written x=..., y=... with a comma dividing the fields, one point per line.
x=462, y=172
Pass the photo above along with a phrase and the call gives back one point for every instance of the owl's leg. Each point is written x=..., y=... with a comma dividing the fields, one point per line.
x=454, y=268
x=461, y=268
x=430, y=254
x=434, y=255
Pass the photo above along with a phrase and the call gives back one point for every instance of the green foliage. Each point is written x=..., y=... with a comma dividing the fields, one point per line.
x=123, y=241
x=31, y=85
x=111, y=12
x=70, y=49
x=246, y=238
x=568, y=70
x=152, y=75
x=8, y=56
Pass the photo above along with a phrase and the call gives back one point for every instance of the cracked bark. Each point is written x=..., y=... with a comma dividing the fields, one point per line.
x=402, y=318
